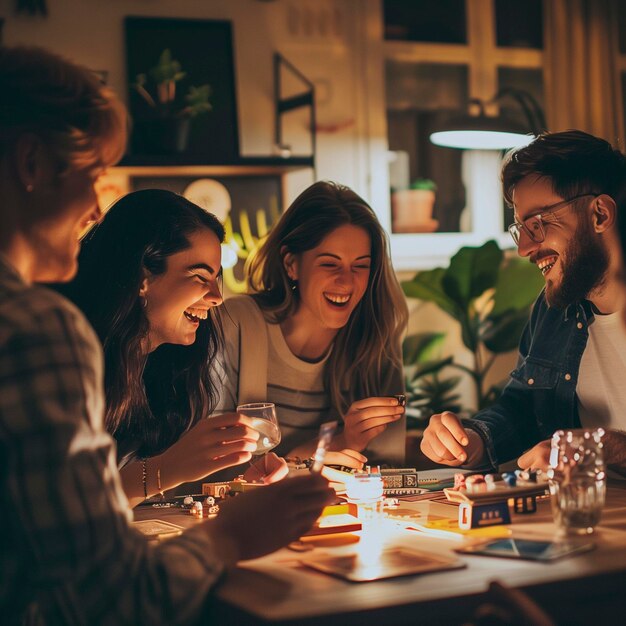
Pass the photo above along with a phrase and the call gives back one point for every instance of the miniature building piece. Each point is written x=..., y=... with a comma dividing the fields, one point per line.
x=231, y=487
x=480, y=506
x=400, y=482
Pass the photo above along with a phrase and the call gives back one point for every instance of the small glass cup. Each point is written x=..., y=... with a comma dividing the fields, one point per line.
x=577, y=480
x=366, y=491
x=263, y=417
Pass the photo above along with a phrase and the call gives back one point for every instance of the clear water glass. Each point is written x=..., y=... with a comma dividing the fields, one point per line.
x=366, y=491
x=263, y=418
x=577, y=480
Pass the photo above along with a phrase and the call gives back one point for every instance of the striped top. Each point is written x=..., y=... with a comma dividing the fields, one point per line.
x=296, y=387
x=69, y=553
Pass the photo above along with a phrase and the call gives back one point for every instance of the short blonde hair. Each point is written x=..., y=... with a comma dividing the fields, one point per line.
x=81, y=120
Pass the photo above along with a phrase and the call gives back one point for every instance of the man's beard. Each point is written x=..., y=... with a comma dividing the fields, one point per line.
x=584, y=266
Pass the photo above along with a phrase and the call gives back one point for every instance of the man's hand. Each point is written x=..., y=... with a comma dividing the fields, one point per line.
x=367, y=419
x=282, y=512
x=445, y=441
x=213, y=444
x=269, y=469
x=537, y=458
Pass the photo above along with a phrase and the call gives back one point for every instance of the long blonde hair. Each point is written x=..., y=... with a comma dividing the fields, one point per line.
x=373, y=334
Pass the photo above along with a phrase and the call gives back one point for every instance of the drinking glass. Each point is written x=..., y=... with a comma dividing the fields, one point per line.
x=263, y=418
x=577, y=480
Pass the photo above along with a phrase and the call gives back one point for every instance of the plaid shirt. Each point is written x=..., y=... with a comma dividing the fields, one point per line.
x=68, y=552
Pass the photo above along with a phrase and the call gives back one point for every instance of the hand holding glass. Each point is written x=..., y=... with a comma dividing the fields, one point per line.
x=263, y=418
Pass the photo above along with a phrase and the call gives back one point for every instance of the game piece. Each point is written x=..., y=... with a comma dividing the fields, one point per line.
x=459, y=481
x=510, y=479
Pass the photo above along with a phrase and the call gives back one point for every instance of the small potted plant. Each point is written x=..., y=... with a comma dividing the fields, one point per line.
x=164, y=127
x=412, y=208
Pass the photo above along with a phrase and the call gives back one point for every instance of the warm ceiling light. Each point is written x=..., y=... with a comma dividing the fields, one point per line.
x=483, y=132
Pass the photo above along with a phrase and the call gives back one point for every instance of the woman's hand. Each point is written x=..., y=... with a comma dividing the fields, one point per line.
x=213, y=444
x=345, y=457
x=368, y=418
x=268, y=469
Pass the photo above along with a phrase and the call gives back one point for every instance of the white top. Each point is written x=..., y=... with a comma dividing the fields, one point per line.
x=295, y=386
x=601, y=387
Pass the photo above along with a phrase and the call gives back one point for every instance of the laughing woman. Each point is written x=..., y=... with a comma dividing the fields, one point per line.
x=149, y=281
x=320, y=333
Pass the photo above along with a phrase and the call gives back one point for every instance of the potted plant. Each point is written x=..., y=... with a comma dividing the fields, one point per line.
x=165, y=126
x=412, y=208
x=490, y=296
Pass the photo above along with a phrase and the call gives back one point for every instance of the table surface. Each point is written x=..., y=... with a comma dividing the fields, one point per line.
x=279, y=589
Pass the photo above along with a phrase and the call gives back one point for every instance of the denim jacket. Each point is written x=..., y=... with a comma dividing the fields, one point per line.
x=540, y=396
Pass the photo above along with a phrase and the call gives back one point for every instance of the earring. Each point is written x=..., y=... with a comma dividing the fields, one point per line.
x=293, y=284
x=144, y=301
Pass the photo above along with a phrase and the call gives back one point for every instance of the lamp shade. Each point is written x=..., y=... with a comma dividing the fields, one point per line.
x=482, y=132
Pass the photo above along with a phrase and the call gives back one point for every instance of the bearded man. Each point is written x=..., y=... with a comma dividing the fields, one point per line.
x=571, y=370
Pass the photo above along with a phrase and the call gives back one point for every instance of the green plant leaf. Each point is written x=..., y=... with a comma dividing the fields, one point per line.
x=472, y=271
x=421, y=347
x=502, y=333
x=427, y=286
x=518, y=286
x=430, y=367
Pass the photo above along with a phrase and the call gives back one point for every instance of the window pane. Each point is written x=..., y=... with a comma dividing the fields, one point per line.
x=424, y=20
x=420, y=98
x=519, y=24
x=524, y=82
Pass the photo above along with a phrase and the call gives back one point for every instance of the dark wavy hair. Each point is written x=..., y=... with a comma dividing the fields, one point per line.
x=575, y=162
x=151, y=400
x=373, y=333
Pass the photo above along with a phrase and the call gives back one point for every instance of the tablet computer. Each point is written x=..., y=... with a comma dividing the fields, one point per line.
x=530, y=549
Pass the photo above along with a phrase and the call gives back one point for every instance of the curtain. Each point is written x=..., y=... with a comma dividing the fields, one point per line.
x=581, y=74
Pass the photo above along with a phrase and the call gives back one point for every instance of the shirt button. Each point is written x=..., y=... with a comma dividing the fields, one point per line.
x=568, y=377
x=531, y=381
x=579, y=325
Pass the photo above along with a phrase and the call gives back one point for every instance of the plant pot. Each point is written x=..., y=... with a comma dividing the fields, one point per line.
x=412, y=211
x=163, y=135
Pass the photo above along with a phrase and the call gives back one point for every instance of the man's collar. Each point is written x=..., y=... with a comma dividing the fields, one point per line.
x=575, y=309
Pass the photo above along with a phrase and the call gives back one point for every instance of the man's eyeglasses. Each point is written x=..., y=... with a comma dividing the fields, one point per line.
x=534, y=226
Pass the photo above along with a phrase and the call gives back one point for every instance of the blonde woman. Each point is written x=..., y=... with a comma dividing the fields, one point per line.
x=320, y=333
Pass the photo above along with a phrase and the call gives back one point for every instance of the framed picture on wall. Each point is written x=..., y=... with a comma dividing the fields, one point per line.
x=181, y=84
x=248, y=206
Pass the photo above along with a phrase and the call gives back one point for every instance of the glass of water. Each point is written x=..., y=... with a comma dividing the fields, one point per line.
x=263, y=418
x=577, y=480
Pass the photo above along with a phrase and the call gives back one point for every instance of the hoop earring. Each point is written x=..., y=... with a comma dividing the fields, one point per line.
x=144, y=301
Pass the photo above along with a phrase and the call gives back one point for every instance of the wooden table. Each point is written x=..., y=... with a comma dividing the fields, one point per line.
x=586, y=589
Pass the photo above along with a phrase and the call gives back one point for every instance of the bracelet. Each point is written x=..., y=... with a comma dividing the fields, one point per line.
x=159, y=488
x=144, y=476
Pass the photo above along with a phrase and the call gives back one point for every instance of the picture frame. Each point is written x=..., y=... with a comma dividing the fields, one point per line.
x=204, y=50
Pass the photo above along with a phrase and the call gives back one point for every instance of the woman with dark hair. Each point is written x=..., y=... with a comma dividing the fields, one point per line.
x=149, y=281
x=326, y=315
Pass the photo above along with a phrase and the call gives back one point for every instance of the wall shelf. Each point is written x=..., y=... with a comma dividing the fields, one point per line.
x=189, y=162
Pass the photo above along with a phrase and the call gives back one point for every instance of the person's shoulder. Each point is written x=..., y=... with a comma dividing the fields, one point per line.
x=36, y=310
x=240, y=307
